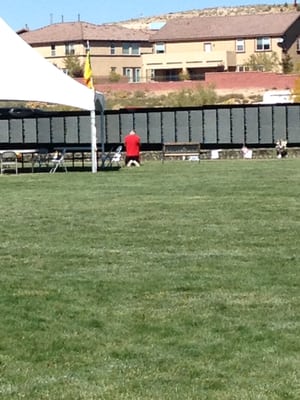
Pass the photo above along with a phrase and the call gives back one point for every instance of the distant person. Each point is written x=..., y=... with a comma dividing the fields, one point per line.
x=281, y=148
x=132, y=146
x=246, y=153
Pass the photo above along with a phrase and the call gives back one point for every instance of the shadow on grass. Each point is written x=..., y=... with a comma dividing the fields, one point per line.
x=112, y=168
x=61, y=170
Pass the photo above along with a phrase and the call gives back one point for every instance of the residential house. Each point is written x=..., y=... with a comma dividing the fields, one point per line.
x=113, y=48
x=191, y=47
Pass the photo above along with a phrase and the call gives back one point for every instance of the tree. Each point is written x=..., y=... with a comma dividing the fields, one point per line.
x=263, y=62
x=73, y=66
x=287, y=64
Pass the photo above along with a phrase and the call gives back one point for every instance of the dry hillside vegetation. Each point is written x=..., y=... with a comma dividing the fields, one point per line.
x=145, y=22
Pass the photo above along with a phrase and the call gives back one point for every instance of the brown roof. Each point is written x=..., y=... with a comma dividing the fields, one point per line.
x=238, y=26
x=82, y=31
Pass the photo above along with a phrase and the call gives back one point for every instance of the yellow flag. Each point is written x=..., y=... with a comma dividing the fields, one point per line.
x=88, y=76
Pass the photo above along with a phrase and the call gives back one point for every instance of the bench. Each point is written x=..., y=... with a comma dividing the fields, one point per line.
x=182, y=150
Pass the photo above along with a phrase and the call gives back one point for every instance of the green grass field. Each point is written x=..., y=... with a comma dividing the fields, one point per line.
x=175, y=281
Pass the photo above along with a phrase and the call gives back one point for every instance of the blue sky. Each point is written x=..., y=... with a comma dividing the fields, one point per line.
x=38, y=13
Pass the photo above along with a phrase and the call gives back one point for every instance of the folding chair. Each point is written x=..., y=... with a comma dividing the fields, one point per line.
x=116, y=157
x=9, y=161
x=58, y=161
x=112, y=157
x=40, y=158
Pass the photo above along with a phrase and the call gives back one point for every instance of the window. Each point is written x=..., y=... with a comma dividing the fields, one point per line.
x=137, y=75
x=135, y=49
x=125, y=48
x=69, y=49
x=298, y=44
x=127, y=72
x=263, y=44
x=242, y=68
x=240, y=46
x=207, y=47
x=133, y=74
x=53, y=50
x=131, y=48
x=112, y=49
x=159, y=48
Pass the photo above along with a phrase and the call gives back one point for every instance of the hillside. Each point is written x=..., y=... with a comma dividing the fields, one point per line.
x=144, y=23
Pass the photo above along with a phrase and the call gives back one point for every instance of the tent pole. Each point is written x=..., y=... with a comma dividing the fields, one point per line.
x=102, y=133
x=94, y=141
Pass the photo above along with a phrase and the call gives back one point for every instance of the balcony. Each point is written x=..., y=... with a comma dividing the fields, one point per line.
x=189, y=60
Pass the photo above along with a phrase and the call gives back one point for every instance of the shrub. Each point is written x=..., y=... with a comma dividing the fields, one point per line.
x=114, y=77
x=263, y=62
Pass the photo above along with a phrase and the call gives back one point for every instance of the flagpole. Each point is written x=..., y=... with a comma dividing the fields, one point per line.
x=88, y=76
x=94, y=141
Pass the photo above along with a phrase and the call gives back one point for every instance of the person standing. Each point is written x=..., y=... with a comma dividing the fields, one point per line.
x=132, y=143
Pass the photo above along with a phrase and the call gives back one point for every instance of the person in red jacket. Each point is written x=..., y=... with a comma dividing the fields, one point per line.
x=132, y=143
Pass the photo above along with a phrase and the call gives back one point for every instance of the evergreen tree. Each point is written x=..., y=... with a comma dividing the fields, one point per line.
x=73, y=66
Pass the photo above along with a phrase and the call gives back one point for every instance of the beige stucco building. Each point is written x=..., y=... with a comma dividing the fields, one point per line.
x=193, y=46
x=184, y=48
x=113, y=48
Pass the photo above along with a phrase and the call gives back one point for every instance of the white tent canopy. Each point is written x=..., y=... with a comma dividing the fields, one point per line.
x=26, y=76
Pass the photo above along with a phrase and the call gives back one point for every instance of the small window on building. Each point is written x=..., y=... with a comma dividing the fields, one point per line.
x=112, y=49
x=159, y=48
x=135, y=49
x=113, y=69
x=298, y=44
x=242, y=68
x=126, y=48
x=126, y=71
x=69, y=49
x=137, y=75
x=53, y=50
x=131, y=49
x=207, y=47
x=240, y=46
x=263, y=44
